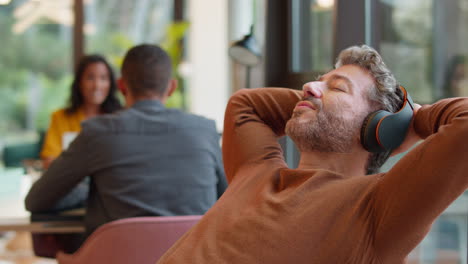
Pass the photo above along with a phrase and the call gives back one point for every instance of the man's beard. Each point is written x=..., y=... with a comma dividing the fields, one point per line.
x=330, y=132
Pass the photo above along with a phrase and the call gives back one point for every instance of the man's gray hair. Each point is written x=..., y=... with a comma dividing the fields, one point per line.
x=385, y=96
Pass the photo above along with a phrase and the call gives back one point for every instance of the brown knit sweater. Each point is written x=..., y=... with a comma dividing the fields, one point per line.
x=273, y=214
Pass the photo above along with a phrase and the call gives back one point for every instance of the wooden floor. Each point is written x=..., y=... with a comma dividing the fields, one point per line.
x=16, y=248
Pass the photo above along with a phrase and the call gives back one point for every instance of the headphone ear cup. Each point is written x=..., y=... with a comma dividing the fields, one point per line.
x=369, y=133
x=384, y=131
x=393, y=129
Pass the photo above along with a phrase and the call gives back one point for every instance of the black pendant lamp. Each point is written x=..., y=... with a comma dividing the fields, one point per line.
x=246, y=50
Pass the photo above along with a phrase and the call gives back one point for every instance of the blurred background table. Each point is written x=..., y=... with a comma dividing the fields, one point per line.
x=14, y=186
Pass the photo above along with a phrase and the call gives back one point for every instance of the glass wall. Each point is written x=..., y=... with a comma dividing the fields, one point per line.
x=311, y=35
x=112, y=27
x=423, y=42
x=36, y=58
x=35, y=65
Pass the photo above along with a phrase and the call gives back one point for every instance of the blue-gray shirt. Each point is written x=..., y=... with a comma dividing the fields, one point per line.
x=147, y=160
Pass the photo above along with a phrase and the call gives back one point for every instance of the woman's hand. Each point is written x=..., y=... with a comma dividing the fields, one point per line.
x=46, y=162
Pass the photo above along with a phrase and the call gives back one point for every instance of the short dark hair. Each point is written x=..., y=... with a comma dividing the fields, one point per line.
x=147, y=70
x=110, y=104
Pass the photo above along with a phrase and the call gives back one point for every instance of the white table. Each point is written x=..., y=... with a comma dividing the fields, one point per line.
x=14, y=185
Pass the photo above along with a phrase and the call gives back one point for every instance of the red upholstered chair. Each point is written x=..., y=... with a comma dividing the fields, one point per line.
x=133, y=240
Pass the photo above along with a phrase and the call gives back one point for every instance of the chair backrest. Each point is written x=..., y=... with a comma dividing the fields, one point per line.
x=13, y=155
x=131, y=240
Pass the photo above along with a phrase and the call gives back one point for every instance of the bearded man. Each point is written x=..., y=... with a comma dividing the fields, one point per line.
x=335, y=207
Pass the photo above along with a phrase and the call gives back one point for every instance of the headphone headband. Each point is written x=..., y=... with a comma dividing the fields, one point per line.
x=406, y=98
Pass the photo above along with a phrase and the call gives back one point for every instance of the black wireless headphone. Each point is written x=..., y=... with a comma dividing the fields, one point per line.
x=384, y=131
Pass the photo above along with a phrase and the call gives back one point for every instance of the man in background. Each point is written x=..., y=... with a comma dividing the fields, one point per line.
x=147, y=160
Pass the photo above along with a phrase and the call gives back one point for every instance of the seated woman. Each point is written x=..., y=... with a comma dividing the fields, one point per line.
x=93, y=92
x=456, y=77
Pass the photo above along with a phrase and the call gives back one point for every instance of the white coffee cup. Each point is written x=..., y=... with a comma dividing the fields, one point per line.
x=67, y=138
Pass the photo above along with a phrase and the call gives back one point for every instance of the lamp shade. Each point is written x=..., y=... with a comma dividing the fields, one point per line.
x=245, y=51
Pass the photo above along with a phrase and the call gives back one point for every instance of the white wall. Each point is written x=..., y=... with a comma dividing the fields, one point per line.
x=240, y=21
x=208, y=81
x=240, y=18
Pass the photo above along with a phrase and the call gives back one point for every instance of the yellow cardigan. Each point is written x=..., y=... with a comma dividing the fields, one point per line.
x=60, y=123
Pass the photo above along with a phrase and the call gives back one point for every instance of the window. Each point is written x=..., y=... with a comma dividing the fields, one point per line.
x=36, y=59
x=35, y=65
x=112, y=27
x=311, y=35
x=423, y=42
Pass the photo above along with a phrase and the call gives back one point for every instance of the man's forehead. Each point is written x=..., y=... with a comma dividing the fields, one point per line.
x=357, y=75
x=351, y=71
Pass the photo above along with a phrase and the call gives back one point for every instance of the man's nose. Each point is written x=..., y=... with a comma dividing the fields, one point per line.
x=312, y=89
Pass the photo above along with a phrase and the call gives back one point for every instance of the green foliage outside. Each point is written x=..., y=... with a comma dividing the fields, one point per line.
x=36, y=70
x=172, y=44
x=34, y=76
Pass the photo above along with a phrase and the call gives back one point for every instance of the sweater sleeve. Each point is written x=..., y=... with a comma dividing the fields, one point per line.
x=55, y=188
x=424, y=182
x=254, y=120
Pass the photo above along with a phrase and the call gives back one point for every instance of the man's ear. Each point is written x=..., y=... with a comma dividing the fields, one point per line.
x=172, y=87
x=122, y=86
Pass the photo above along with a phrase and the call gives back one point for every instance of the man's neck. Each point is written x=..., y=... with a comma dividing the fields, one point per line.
x=350, y=164
x=130, y=100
